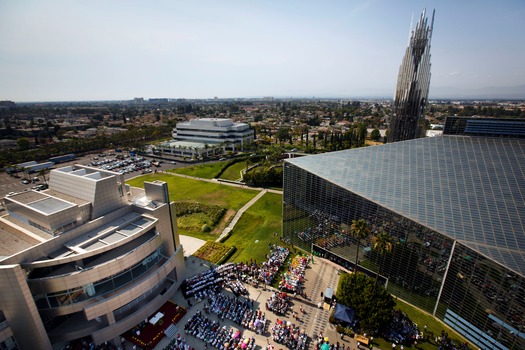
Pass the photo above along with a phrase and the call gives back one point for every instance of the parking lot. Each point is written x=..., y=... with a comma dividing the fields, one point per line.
x=125, y=164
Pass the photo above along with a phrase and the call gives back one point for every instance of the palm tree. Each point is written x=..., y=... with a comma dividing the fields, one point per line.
x=16, y=169
x=382, y=243
x=359, y=229
x=43, y=173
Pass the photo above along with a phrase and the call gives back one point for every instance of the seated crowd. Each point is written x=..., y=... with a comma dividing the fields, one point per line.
x=211, y=333
x=289, y=334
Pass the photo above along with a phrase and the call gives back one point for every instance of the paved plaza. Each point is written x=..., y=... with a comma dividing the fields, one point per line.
x=319, y=275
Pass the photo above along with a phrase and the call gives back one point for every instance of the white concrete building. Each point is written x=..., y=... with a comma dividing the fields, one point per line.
x=89, y=257
x=202, y=137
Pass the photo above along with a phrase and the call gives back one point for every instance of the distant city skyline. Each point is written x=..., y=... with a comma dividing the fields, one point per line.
x=60, y=50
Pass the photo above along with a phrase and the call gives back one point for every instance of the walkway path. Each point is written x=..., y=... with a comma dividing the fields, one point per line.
x=237, y=216
x=319, y=276
x=241, y=211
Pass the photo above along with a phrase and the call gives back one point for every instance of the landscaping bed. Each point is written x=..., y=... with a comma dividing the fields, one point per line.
x=214, y=252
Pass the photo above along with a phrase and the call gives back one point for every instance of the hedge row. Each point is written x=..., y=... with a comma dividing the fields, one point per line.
x=226, y=256
x=228, y=164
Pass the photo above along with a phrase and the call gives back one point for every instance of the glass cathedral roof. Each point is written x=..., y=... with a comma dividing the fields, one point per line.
x=471, y=189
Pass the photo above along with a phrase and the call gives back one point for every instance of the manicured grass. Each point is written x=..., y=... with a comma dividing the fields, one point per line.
x=255, y=230
x=183, y=189
x=233, y=172
x=204, y=171
x=187, y=189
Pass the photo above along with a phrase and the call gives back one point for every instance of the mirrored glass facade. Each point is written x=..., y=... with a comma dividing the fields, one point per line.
x=413, y=83
x=457, y=224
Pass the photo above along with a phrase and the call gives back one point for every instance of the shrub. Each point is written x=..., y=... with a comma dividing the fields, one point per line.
x=345, y=330
x=213, y=212
x=206, y=228
x=226, y=256
x=271, y=175
x=215, y=252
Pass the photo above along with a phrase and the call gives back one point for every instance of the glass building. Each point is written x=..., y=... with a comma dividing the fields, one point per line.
x=455, y=207
x=412, y=85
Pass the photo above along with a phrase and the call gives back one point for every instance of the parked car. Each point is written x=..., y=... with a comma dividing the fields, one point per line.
x=25, y=181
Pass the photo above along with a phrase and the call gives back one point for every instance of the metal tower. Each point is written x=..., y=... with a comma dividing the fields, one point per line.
x=413, y=82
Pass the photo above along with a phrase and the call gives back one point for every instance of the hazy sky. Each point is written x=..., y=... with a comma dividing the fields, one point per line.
x=107, y=50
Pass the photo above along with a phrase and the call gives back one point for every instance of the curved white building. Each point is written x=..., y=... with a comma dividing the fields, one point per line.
x=204, y=136
x=88, y=258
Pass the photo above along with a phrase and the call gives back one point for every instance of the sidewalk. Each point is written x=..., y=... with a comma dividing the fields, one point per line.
x=239, y=214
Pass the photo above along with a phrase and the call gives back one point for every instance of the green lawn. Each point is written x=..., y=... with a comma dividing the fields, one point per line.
x=256, y=228
x=187, y=189
x=205, y=171
x=233, y=172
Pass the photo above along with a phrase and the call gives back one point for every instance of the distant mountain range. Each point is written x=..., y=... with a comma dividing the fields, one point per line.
x=505, y=92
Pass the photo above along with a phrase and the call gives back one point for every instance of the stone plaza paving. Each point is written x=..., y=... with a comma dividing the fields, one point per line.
x=318, y=276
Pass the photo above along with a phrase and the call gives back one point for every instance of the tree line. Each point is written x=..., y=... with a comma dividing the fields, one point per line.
x=133, y=137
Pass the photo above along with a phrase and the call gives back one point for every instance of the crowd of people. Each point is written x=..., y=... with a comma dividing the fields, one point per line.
x=293, y=280
x=445, y=343
x=212, y=334
x=268, y=269
x=402, y=330
x=236, y=286
x=322, y=343
x=232, y=274
x=178, y=343
x=278, y=303
x=289, y=334
x=206, y=280
x=239, y=311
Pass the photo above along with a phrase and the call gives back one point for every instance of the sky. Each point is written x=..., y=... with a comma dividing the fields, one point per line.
x=64, y=50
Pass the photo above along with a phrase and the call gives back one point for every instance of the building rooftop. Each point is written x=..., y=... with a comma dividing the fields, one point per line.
x=468, y=188
x=105, y=235
x=41, y=202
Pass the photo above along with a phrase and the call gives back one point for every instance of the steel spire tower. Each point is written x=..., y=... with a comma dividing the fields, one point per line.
x=413, y=83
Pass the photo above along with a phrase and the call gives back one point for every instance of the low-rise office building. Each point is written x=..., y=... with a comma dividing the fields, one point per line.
x=87, y=257
x=201, y=137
